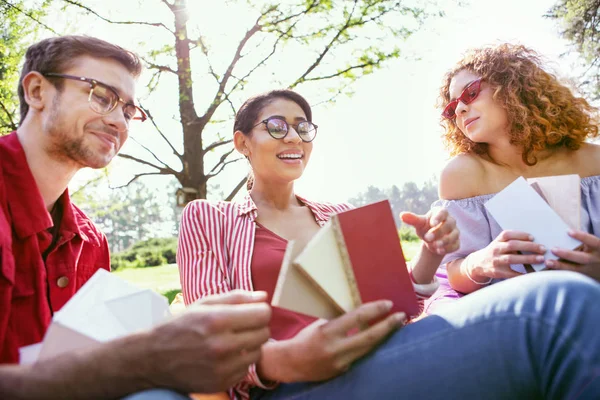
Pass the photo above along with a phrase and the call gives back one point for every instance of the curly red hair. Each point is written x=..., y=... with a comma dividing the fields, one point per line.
x=542, y=112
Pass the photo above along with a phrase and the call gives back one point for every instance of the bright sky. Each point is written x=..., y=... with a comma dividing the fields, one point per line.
x=388, y=133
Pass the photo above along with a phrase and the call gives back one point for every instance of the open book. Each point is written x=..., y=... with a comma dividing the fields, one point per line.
x=355, y=258
x=544, y=207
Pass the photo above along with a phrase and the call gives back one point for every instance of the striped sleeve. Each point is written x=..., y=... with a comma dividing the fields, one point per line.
x=202, y=267
x=199, y=252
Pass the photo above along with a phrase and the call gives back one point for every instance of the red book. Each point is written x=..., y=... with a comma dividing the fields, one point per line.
x=354, y=259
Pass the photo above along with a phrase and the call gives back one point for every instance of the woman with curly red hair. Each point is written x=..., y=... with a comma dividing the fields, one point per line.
x=505, y=117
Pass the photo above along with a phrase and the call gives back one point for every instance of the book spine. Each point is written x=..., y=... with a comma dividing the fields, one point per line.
x=347, y=264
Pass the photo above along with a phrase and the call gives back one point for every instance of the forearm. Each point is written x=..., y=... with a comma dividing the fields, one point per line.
x=110, y=370
x=458, y=276
x=424, y=265
x=276, y=363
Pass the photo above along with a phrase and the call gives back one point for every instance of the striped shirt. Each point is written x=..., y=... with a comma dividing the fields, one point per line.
x=214, y=254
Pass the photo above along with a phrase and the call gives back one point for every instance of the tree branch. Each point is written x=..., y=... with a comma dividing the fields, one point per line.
x=338, y=92
x=312, y=5
x=320, y=78
x=223, y=167
x=30, y=16
x=214, y=145
x=326, y=49
x=168, y=4
x=161, y=68
x=236, y=189
x=200, y=43
x=85, y=185
x=221, y=161
x=156, y=24
x=151, y=118
x=163, y=171
x=262, y=62
x=166, y=166
x=238, y=54
x=13, y=125
x=135, y=178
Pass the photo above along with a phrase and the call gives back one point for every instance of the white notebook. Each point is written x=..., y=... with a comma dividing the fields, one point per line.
x=519, y=207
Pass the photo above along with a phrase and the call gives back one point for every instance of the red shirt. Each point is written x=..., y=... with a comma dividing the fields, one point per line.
x=269, y=249
x=31, y=289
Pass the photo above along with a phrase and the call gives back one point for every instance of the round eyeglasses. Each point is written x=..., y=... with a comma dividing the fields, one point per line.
x=103, y=99
x=278, y=128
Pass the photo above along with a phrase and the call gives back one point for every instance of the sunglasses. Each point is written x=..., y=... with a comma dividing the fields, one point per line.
x=278, y=129
x=467, y=96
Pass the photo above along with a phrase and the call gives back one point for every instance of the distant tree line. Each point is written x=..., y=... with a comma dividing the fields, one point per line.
x=130, y=214
x=138, y=212
x=410, y=197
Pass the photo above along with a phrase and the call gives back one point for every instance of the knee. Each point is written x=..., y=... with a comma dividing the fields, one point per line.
x=564, y=286
x=571, y=281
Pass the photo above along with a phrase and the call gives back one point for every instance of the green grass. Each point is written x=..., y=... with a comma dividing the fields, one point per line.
x=410, y=249
x=165, y=279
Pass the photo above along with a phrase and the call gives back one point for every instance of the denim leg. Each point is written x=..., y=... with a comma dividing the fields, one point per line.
x=157, y=394
x=531, y=337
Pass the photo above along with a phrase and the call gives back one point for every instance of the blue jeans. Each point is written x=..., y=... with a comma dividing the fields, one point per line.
x=531, y=337
x=157, y=394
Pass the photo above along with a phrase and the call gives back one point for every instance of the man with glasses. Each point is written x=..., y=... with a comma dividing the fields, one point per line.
x=77, y=104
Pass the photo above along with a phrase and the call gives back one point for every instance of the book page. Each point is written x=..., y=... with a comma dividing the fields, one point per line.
x=519, y=207
x=563, y=194
x=295, y=292
x=322, y=262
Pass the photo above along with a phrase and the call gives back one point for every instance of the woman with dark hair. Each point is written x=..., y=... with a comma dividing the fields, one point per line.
x=506, y=117
x=240, y=245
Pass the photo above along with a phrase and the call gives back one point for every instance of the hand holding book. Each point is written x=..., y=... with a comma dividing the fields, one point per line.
x=326, y=349
x=585, y=260
x=494, y=261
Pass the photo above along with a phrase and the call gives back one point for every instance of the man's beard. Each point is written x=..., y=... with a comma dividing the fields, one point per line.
x=65, y=145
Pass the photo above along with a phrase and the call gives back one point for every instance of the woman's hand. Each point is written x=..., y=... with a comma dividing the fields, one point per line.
x=494, y=260
x=437, y=229
x=325, y=349
x=585, y=260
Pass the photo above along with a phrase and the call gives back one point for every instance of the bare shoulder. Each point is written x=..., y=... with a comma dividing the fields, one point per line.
x=462, y=177
x=589, y=159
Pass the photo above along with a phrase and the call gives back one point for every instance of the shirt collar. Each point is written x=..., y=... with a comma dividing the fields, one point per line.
x=25, y=203
x=248, y=207
x=320, y=213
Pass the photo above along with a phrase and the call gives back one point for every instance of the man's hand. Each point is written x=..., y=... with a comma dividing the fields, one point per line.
x=209, y=347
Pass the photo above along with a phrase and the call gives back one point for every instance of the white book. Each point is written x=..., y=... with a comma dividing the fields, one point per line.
x=519, y=207
x=563, y=194
x=105, y=308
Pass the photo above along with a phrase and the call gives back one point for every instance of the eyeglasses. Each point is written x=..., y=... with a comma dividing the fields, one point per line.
x=467, y=96
x=278, y=128
x=103, y=99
